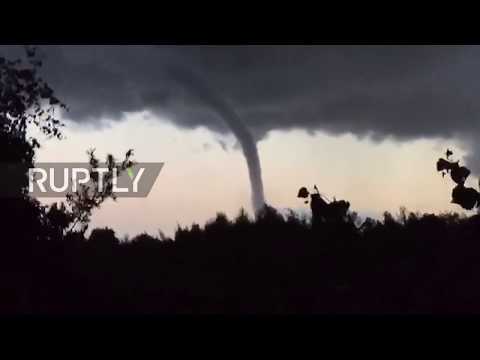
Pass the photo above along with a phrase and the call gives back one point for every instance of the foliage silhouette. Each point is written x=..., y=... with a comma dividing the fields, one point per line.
x=26, y=101
x=90, y=196
x=103, y=238
x=467, y=198
x=410, y=263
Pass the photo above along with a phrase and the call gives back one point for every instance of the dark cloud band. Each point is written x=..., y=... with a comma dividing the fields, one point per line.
x=401, y=91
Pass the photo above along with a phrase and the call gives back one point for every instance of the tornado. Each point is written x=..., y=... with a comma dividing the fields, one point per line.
x=196, y=86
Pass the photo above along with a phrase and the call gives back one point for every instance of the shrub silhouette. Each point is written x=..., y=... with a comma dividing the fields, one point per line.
x=467, y=198
x=104, y=238
x=410, y=263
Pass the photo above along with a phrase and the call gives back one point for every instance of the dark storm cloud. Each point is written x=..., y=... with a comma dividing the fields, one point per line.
x=400, y=91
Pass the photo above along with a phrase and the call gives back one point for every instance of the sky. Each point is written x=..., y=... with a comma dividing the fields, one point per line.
x=364, y=123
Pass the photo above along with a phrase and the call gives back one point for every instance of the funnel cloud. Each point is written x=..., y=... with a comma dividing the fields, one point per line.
x=235, y=124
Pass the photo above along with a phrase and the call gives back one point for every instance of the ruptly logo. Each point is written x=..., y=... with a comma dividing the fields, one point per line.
x=59, y=179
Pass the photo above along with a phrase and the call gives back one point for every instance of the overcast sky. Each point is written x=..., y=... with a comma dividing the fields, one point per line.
x=363, y=122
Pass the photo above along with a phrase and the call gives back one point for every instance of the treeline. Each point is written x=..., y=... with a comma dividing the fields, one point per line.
x=275, y=264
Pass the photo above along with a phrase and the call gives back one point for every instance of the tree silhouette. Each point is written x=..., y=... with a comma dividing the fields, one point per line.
x=90, y=196
x=25, y=100
x=103, y=238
